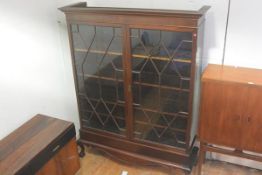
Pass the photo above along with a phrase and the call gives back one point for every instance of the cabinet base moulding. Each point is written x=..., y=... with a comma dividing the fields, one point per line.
x=130, y=152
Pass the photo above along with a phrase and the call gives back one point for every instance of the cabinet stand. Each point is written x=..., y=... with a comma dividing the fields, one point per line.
x=82, y=149
x=204, y=147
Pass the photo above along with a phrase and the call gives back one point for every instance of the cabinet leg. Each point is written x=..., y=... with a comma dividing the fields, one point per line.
x=82, y=149
x=204, y=161
x=176, y=171
x=202, y=155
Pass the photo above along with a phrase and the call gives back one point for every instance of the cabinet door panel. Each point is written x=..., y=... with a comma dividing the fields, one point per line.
x=99, y=71
x=161, y=69
x=221, y=112
x=252, y=121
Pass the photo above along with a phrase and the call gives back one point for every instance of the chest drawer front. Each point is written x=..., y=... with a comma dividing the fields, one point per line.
x=44, y=156
x=64, y=162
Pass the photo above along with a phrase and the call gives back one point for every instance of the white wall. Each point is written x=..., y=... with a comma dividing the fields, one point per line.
x=244, y=42
x=32, y=69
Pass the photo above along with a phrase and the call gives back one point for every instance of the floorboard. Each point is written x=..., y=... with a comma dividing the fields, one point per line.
x=96, y=163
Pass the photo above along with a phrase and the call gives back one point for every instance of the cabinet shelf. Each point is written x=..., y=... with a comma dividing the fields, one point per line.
x=136, y=82
x=141, y=56
x=141, y=122
x=119, y=102
x=122, y=103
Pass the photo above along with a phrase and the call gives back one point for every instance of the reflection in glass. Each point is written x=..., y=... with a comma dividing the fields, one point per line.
x=99, y=69
x=161, y=68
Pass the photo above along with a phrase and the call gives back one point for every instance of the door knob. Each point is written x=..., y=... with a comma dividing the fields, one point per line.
x=248, y=119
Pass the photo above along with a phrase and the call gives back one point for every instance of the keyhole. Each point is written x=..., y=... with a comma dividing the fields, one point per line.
x=248, y=119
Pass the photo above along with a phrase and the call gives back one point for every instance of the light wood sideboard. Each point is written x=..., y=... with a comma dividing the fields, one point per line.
x=231, y=111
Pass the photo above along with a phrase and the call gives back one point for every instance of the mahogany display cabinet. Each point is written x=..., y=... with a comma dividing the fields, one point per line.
x=136, y=75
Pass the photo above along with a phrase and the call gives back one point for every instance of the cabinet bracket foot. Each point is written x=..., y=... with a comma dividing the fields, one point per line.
x=82, y=149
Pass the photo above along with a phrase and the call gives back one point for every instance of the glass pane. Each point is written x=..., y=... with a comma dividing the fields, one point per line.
x=99, y=69
x=161, y=68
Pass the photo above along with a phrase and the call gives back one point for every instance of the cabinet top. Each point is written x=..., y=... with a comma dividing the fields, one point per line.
x=82, y=7
x=233, y=74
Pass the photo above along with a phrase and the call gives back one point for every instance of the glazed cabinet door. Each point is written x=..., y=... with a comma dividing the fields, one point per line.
x=99, y=72
x=222, y=108
x=252, y=120
x=161, y=70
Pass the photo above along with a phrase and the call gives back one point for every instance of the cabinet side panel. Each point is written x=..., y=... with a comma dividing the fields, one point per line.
x=69, y=30
x=210, y=109
x=197, y=85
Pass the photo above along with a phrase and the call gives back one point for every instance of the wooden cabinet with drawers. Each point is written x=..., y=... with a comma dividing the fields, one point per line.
x=231, y=110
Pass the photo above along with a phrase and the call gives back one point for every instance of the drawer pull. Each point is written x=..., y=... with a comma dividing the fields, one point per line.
x=56, y=148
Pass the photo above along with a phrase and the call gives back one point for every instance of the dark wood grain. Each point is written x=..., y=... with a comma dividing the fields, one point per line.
x=189, y=137
x=128, y=82
x=26, y=149
x=83, y=8
x=179, y=19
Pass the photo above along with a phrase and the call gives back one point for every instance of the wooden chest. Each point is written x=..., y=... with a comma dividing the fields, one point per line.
x=43, y=145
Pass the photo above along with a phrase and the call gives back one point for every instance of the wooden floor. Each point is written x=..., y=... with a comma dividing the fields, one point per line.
x=96, y=163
